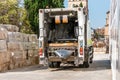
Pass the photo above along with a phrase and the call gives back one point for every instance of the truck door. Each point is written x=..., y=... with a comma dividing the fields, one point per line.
x=81, y=40
x=41, y=34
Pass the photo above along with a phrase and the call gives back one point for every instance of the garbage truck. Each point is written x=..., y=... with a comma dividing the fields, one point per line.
x=64, y=37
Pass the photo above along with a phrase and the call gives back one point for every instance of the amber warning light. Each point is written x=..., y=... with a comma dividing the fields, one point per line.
x=81, y=51
x=40, y=51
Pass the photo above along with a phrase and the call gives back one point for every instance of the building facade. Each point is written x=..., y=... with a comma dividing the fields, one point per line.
x=77, y=3
x=114, y=38
x=107, y=26
x=100, y=31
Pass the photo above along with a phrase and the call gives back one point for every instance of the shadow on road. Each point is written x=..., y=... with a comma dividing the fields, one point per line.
x=96, y=65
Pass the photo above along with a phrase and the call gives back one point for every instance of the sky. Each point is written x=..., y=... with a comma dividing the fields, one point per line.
x=97, y=12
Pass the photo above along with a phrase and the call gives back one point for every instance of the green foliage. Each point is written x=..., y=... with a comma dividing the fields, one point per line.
x=81, y=4
x=96, y=36
x=26, y=27
x=33, y=6
x=75, y=5
x=10, y=13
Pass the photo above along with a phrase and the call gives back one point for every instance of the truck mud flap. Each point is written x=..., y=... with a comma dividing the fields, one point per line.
x=91, y=54
x=78, y=61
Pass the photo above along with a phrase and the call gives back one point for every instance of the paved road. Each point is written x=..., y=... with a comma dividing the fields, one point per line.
x=99, y=70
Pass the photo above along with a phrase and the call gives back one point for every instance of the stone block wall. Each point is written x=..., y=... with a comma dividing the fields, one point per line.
x=17, y=49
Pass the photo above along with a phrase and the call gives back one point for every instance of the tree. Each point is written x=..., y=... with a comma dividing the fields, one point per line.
x=75, y=5
x=11, y=13
x=32, y=7
x=81, y=4
x=24, y=22
x=8, y=12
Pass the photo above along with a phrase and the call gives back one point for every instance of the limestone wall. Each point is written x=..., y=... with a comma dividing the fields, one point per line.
x=17, y=49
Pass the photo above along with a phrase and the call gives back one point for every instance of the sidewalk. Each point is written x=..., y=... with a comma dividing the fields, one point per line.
x=100, y=50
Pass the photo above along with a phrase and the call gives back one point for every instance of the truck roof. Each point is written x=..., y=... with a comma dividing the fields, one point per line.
x=61, y=9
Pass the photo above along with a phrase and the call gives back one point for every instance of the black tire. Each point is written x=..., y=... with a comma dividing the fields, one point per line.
x=50, y=64
x=86, y=65
x=80, y=66
x=56, y=64
x=91, y=62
